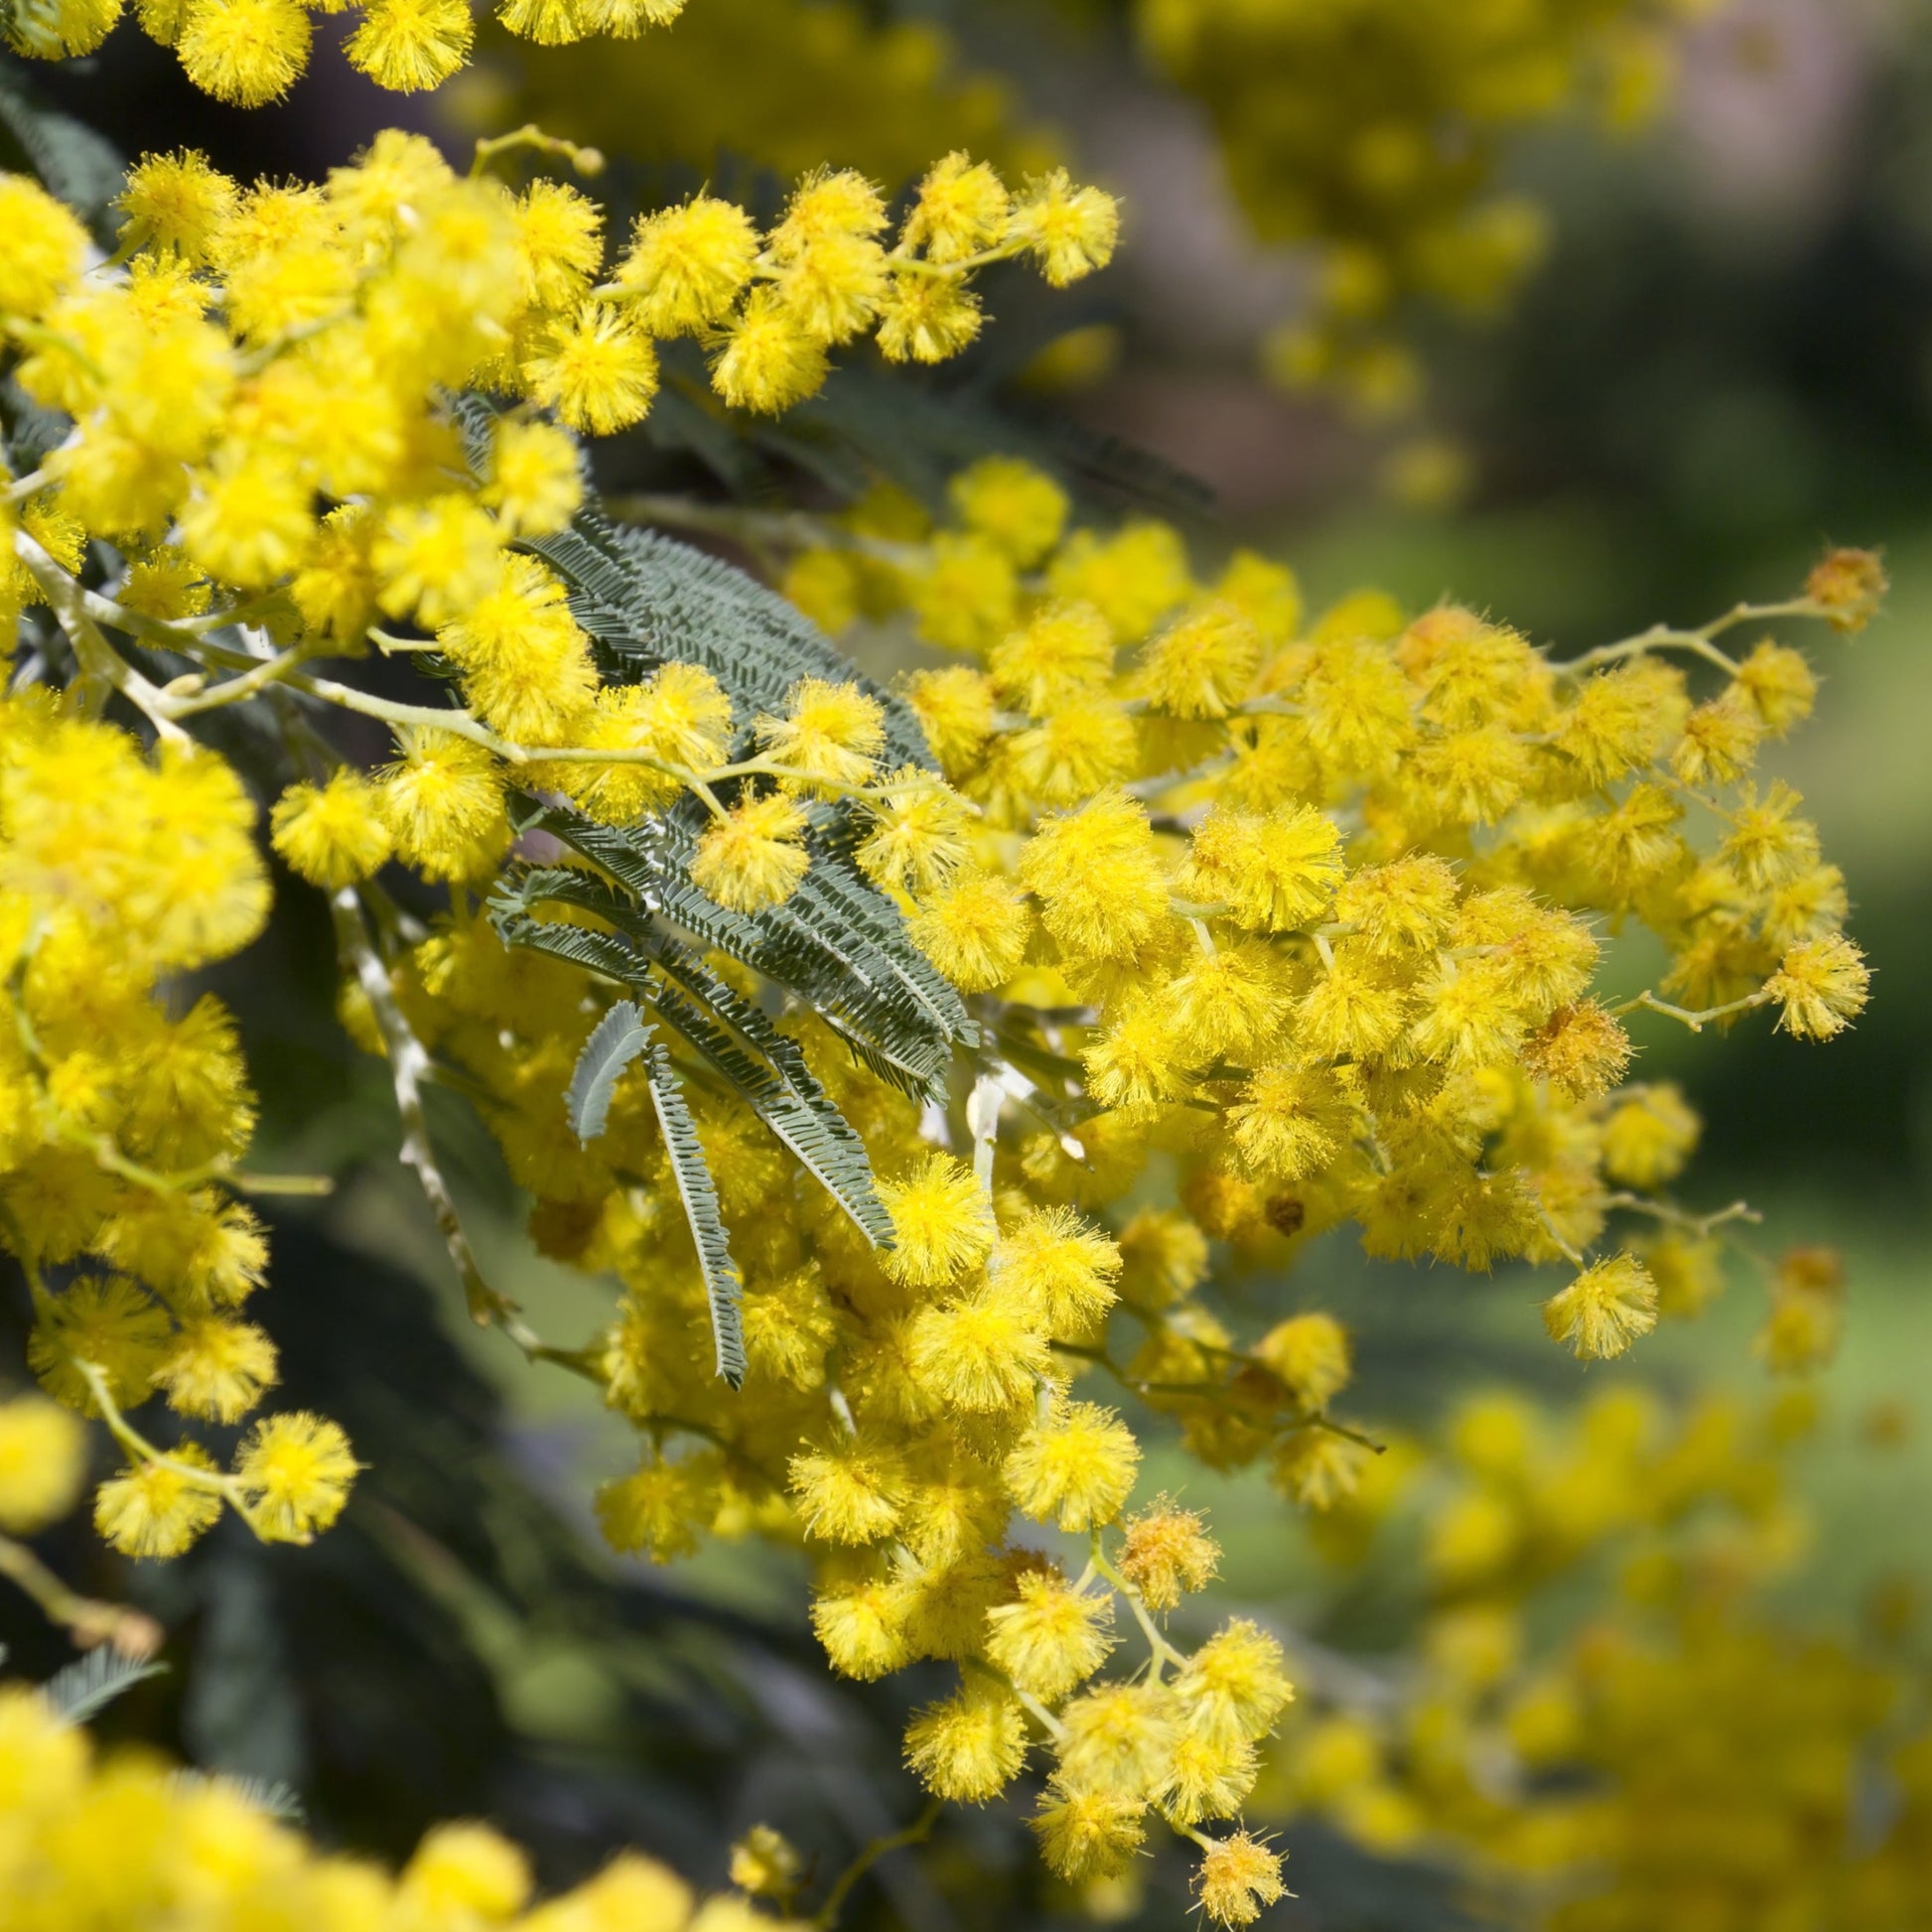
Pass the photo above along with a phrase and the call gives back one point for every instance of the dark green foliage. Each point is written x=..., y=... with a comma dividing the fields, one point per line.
x=72, y=162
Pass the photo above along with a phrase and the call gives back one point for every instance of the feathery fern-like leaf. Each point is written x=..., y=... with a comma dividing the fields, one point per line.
x=616, y=1040
x=699, y=1193
x=80, y=1690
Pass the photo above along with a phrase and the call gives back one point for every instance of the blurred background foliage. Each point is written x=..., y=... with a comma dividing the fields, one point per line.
x=1724, y=360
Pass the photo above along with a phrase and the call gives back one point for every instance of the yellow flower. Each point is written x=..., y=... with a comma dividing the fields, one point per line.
x=979, y=1353
x=1238, y=1877
x=534, y=484
x=411, y=44
x=755, y=856
x=687, y=264
x=1051, y=1636
x=296, y=1469
x=969, y=1747
x=849, y=1489
x=943, y=1225
x=1072, y=231
x=974, y=929
x=1310, y=1352
x=332, y=834
x=465, y=1873
x=156, y=1509
x=1076, y=1468
x=1604, y=1309
x=1202, y=665
x=244, y=51
x=764, y=361
x=1821, y=987
x=1233, y=1686
x=962, y=208
x=1086, y=1835
x=42, y=1462
x=830, y=736
x=1167, y=1551
x=597, y=369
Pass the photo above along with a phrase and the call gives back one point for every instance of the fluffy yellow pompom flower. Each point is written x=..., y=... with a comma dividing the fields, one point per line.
x=830, y=736
x=1310, y=1352
x=297, y=1468
x=979, y=1353
x=1076, y=1468
x=156, y=1509
x=926, y=319
x=765, y=362
x=1167, y=1551
x=408, y=46
x=918, y=832
x=955, y=710
x=1054, y=1264
x=1085, y=1835
x=1020, y=508
x=526, y=666
x=969, y=1747
x=687, y=264
x=332, y=834
x=962, y=208
x=755, y=856
x=1581, y=1049
x=1237, y=1878
x=176, y=202
x=1649, y=1136
x=864, y=1628
x=1233, y=1686
x=597, y=369
x=849, y=1489
x=244, y=51
x=1202, y=665
x=1290, y=1122
x=1850, y=585
x=1100, y=880
x=679, y=715
x=43, y=1461
x=1604, y=1309
x=248, y=521
x=1052, y=1636
x=1064, y=651
x=1277, y=872
x=659, y=1509
x=1072, y=231
x=218, y=1368
x=1821, y=987
x=105, y=1320
x=943, y=1225
x=535, y=482
x=974, y=928
x=444, y=804
x=436, y=558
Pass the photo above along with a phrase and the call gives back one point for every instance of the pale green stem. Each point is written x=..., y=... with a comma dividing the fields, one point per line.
x=1697, y=1021
x=916, y=1832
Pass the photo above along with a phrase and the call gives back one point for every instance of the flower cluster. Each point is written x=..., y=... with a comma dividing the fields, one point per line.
x=251, y=51
x=1303, y=907
x=1370, y=127
x=1674, y=1762
x=123, y=1126
x=123, y=1841
x=1272, y=922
